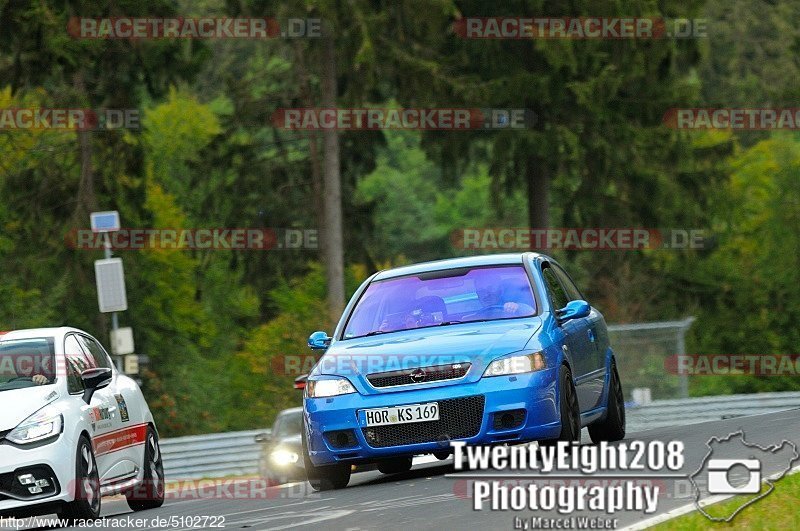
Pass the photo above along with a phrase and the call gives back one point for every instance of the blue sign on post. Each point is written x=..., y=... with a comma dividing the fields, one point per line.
x=105, y=221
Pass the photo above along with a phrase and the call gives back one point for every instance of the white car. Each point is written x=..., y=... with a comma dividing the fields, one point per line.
x=72, y=428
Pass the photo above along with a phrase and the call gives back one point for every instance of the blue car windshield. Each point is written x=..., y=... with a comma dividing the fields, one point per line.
x=438, y=298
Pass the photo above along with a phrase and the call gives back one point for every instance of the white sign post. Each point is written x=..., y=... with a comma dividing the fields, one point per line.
x=110, y=277
x=122, y=341
x=111, y=296
x=131, y=364
x=105, y=221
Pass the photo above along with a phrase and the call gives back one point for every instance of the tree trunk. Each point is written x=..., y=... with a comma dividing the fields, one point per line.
x=86, y=201
x=537, y=176
x=313, y=141
x=333, y=250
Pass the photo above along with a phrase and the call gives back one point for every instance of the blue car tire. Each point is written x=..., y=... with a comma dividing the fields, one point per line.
x=612, y=427
x=570, y=412
x=329, y=477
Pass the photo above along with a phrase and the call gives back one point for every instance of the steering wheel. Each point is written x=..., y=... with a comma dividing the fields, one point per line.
x=20, y=378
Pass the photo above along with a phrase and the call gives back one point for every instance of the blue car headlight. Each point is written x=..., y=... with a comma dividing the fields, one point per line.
x=329, y=387
x=516, y=365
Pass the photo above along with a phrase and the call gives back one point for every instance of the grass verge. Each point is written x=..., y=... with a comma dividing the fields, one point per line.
x=780, y=510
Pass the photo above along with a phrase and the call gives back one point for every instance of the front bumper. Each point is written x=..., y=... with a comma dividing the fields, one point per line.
x=55, y=460
x=533, y=393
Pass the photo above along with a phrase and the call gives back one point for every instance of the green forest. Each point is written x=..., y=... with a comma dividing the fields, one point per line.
x=206, y=153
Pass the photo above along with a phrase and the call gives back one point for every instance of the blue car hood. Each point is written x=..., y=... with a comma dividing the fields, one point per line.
x=475, y=343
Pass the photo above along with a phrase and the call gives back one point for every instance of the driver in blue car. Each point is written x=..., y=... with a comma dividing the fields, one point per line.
x=503, y=300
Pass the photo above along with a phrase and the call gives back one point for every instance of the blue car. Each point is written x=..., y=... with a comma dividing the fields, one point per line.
x=486, y=349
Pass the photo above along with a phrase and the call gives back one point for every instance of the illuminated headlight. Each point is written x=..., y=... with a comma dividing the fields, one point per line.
x=323, y=388
x=516, y=365
x=43, y=424
x=284, y=457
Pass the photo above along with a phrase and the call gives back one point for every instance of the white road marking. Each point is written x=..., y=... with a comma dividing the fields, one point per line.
x=418, y=500
x=278, y=507
x=308, y=518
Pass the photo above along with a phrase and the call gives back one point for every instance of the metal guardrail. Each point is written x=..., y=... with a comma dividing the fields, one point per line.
x=641, y=347
x=685, y=411
x=211, y=456
x=236, y=453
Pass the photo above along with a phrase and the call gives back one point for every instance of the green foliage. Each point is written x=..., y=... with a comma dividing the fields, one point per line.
x=190, y=313
x=751, y=282
x=215, y=323
x=415, y=213
x=274, y=353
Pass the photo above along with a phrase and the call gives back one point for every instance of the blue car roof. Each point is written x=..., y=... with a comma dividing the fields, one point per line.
x=453, y=263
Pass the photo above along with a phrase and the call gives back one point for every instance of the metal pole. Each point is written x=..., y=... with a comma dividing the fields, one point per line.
x=684, y=382
x=114, y=317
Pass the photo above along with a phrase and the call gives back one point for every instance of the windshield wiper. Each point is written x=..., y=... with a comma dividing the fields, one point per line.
x=445, y=323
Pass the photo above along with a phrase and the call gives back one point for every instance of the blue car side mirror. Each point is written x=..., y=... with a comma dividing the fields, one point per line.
x=319, y=340
x=574, y=310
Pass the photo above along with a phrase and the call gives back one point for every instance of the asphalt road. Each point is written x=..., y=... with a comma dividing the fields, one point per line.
x=433, y=496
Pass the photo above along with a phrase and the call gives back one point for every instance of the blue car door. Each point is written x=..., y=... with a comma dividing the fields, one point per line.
x=580, y=350
x=589, y=334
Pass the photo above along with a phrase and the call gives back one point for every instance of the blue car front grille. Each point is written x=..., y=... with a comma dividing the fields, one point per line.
x=436, y=373
x=459, y=418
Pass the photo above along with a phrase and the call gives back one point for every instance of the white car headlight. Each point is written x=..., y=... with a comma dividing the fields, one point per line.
x=334, y=387
x=283, y=457
x=516, y=365
x=45, y=423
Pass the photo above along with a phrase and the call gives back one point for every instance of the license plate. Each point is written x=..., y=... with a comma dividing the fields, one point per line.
x=400, y=414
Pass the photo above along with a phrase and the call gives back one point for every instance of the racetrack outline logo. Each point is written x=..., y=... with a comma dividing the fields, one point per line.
x=769, y=481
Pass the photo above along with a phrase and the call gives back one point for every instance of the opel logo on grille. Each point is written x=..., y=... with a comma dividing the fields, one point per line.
x=417, y=375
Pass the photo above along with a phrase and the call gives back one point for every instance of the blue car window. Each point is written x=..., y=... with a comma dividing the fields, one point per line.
x=570, y=287
x=557, y=295
x=425, y=300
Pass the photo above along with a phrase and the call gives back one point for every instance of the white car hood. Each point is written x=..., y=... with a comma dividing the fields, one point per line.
x=18, y=404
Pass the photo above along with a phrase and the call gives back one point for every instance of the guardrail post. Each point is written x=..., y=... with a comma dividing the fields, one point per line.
x=684, y=383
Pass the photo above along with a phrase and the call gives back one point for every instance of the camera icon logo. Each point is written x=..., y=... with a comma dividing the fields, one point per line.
x=722, y=475
x=733, y=467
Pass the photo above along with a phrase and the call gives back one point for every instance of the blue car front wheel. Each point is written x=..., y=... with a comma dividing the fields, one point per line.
x=327, y=477
x=568, y=405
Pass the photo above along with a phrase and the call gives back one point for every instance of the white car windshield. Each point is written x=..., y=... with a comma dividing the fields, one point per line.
x=289, y=424
x=23, y=363
x=442, y=297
